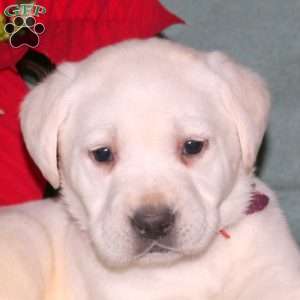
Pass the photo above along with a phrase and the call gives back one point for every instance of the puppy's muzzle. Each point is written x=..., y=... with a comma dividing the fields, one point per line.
x=153, y=223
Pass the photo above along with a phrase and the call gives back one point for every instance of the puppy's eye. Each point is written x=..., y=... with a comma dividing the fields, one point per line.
x=102, y=154
x=192, y=147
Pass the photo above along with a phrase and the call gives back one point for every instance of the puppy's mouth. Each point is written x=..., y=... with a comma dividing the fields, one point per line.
x=156, y=248
x=158, y=254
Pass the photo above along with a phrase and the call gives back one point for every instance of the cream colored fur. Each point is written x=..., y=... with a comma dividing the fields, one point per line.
x=144, y=99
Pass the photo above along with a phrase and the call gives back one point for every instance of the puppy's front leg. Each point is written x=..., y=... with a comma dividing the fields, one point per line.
x=25, y=258
x=277, y=288
x=281, y=295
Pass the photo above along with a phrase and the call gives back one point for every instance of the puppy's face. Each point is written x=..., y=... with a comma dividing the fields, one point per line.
x=149, y=153
x=159, y=149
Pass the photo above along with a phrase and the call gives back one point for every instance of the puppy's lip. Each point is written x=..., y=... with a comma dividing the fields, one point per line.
x=158, y=249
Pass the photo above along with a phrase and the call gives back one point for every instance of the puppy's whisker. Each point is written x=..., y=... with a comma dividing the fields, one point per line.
x=148, y=249
x=143, y=253
x=172, y=249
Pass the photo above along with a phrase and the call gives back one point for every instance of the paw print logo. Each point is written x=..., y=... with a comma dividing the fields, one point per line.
x=24, y=31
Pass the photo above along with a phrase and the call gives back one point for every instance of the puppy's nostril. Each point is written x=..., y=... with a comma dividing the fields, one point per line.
x=153, y=222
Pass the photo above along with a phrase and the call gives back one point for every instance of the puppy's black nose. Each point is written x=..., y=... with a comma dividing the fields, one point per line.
x=153, y=222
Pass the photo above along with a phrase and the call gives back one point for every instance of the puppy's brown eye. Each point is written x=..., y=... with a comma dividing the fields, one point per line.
x=192, y=147
x=103, y=154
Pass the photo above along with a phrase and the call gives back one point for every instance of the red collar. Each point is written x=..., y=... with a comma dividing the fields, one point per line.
x=258, y=202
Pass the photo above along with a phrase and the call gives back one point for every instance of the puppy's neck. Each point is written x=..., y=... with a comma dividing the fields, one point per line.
x=234, y=207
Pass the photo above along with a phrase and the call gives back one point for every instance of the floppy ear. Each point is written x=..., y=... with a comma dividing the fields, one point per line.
x=247, y=100
x=42, y=114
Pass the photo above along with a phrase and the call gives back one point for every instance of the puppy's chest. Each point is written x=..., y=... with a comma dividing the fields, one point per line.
x=167, y=285
x=88, y=282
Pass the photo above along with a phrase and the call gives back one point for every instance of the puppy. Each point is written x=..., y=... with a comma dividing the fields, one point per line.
x=156, y=145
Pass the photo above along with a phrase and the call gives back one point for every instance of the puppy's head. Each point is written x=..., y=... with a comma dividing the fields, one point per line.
x=156, y=145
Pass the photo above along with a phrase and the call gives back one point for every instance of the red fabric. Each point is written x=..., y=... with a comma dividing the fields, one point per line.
x=19, y=180
x=73, y=30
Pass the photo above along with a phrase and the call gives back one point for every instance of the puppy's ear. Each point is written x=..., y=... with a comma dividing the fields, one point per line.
x=42, y=113
x=247, y=100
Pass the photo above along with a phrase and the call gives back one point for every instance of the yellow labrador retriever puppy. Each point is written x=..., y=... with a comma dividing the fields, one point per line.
x=153, y=146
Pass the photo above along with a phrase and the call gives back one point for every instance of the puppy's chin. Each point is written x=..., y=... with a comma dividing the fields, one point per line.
x=151, y=259
x=148, y=260
x=157, y=259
